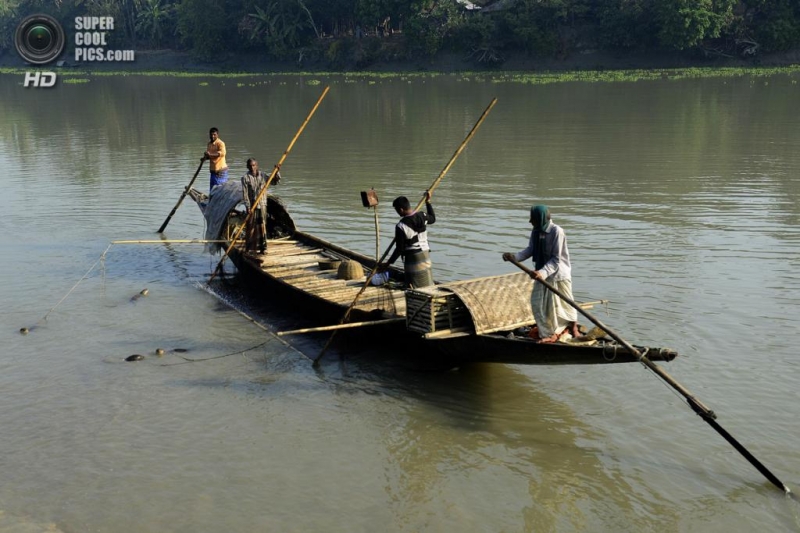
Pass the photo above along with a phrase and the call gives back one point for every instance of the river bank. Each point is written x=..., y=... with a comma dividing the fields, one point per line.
x=178, y=61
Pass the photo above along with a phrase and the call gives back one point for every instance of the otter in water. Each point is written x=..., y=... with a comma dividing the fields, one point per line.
x=143, y=292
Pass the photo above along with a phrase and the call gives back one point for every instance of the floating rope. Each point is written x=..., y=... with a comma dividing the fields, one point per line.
x=24, y=331
x=189, y=360
x=101, y=260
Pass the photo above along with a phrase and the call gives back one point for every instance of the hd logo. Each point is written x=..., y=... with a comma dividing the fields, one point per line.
x=39, y=79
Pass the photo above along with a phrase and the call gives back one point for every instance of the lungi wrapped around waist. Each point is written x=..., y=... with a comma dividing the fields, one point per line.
x=418, y=269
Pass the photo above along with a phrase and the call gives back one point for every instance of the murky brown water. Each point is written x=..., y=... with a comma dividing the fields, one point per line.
x=680, y=199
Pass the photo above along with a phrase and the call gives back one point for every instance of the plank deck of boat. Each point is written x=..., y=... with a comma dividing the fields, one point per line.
x=297, y=264
x=489, y=299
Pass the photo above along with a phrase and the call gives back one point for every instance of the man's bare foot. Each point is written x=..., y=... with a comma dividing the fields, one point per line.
x=549, y=340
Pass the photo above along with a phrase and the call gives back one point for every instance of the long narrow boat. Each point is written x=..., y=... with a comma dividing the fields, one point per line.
x=477, y=320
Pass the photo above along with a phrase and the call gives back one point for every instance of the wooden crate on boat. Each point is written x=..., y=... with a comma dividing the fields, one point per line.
x=430, y=309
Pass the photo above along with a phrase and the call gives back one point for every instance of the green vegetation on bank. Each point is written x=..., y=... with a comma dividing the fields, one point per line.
x=344, y=34
x=792, y=74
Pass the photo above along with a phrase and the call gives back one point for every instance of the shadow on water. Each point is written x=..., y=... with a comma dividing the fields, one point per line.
x=480, y=420
x=470, y=419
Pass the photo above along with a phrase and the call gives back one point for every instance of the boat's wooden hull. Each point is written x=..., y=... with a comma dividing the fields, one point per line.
x=499, y=348
x=290, y=275
x=490, y=348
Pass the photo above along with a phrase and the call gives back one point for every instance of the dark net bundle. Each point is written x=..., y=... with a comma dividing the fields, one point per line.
x=224, y=209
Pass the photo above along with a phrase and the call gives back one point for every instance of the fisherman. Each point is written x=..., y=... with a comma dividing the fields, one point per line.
x=411, y=241
x=548, y=247
x=215, y=154
x=252, y=184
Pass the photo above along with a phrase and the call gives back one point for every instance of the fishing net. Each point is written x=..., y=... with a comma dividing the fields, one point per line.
x=224, y=199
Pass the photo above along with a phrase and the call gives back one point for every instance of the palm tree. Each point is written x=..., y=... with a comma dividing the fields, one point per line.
x=155, y=21
x=280, y=25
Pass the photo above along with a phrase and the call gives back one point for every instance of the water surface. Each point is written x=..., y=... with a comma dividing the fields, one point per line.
x=680, y=200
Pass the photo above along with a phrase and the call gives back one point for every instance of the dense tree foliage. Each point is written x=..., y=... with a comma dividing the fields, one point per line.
x=688, y=23
x=360, y=32
x=774, y=24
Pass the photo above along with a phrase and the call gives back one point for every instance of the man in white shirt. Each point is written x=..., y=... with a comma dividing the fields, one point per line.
x=548, y=248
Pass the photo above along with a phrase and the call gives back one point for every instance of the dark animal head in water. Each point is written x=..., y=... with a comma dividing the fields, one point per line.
x=143, y=292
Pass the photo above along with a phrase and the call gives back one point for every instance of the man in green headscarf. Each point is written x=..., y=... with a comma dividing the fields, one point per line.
x=548, y=248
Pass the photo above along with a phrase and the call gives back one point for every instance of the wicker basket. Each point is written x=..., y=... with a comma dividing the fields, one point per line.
x=350, y=270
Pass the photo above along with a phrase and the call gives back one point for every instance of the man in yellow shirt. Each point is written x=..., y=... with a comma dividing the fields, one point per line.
x=215, y=153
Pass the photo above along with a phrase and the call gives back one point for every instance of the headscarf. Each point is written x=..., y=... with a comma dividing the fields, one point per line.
x=540, y=217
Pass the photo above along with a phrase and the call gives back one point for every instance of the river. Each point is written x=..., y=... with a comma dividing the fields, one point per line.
x=680, y=199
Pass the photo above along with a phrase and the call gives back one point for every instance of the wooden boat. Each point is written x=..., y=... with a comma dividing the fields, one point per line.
x=478, y=320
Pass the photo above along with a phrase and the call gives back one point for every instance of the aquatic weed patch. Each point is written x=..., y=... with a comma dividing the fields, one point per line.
x=637, y=75
x=374, y=77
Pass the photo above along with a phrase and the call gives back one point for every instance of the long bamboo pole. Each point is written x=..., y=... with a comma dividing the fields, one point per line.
x=419, y=205
x=377, y=233
x=343, y=326
x=185, y=192
x=697, y=406
x=267, y=184
x=171, y=241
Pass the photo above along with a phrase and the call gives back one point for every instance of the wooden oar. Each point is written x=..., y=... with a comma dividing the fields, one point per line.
x=697, y=406
x=266, y=185
x=185, y=192
x=419, y=205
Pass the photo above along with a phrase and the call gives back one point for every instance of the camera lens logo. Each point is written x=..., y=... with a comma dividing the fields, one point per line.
x=39, y=39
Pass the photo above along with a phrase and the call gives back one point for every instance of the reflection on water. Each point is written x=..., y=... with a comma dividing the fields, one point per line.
x=680, y=203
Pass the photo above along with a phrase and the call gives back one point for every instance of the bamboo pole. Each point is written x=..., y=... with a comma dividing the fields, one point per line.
x=377, y=234
x=589, y=305
x=419, y=205
x=185, y=192
x=266, y=185
x=697, y=406
x=171, y=241
x=343, y=326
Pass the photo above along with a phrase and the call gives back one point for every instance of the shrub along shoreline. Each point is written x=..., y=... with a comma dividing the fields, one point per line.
x=597, y=66
x=439, y=35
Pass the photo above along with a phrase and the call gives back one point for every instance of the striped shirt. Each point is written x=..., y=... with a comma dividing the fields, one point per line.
x=251, y=187
x=411, y=233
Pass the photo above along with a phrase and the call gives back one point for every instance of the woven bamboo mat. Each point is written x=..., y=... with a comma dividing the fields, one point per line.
x=496, y=303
